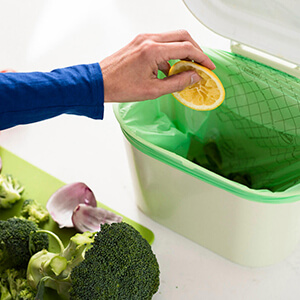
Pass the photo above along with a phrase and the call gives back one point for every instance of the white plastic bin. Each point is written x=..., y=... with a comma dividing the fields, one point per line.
x=243, y=231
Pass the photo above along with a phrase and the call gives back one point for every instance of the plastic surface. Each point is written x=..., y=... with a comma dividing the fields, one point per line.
x=246, y=232
x=269, y=60
x=39, y=186
x=270, y=26
x=195, y=172
x=253, y=135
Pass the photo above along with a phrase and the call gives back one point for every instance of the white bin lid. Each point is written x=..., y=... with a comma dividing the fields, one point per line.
x=272, y=26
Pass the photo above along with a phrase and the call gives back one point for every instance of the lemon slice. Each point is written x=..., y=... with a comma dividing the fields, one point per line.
x=206, y=94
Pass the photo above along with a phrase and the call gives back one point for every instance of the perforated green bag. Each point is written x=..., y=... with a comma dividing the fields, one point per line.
x=252, y=139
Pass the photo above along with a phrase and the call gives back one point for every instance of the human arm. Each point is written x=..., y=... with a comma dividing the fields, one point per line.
x=128, y=75
x=35, y=96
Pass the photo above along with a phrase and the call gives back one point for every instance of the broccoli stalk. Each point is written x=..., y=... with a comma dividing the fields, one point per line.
x=114, y=263
x=47, y=269
x=10, y=191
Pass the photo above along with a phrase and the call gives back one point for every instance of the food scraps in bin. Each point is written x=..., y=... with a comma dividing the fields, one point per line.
x=208, y=155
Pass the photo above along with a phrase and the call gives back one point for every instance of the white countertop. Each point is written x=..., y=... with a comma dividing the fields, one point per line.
x=43, y=35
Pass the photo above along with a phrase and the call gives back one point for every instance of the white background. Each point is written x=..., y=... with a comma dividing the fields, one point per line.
x=43, y=35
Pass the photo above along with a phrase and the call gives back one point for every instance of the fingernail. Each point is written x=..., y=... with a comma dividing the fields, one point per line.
x=195, y=78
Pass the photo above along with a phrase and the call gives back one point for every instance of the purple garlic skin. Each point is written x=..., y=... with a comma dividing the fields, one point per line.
x=62, y=203
x=87, y=218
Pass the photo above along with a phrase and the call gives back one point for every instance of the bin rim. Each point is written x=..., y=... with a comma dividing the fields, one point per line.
x=183, y=164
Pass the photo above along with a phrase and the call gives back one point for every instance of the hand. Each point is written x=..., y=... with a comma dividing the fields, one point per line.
x=131, y=73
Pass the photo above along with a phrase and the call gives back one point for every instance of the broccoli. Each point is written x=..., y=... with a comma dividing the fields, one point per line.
x=18, y=241
x=33, y=211
x=114, y=263
x=13, y=285
x=10, y=191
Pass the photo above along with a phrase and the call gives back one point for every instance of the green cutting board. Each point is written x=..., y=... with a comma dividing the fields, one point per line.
x=39, y=186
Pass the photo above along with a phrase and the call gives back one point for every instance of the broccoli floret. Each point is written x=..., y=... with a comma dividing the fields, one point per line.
x=18, y=241
x=120, y=265
x=115, y=263
x=33, y=211
x=10, y=191
x=13, y=285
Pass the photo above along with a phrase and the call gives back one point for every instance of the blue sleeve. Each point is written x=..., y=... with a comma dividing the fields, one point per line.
x=31, y=97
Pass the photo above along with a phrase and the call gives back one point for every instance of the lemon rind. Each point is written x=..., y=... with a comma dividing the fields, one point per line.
x=219, y=84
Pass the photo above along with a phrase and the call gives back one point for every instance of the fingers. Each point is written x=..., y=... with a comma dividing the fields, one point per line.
x=164, y=66
x=173, y=36
x=176, y=82
x=175, y=45
x=185, y=50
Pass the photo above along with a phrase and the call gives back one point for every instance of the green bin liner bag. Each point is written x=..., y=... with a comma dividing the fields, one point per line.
x=253, y=138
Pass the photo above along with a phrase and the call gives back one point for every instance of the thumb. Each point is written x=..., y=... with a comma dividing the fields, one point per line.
x=178, y=82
